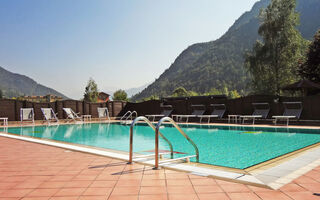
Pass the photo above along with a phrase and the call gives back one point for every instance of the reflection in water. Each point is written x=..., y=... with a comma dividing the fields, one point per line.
x=69, y=132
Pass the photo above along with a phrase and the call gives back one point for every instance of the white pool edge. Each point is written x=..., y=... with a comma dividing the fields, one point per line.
x=268, y=178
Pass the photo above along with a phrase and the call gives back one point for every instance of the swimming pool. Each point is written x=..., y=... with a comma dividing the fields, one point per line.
x=228, y=146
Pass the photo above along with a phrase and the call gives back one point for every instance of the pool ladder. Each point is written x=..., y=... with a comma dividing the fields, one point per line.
x=157, y=154
x=127, y=115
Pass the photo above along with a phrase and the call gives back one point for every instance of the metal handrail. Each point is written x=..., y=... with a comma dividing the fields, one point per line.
x=168, y=119
x=128, y=112
x=130, y=116
x=142, y=118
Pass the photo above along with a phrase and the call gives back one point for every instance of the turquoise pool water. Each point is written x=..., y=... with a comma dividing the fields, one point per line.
x=235, y=147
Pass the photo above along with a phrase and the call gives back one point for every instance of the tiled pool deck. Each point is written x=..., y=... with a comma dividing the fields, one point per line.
x=34, y=171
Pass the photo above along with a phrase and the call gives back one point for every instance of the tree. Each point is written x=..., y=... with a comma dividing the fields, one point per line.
x=91, y=91
x=1, y=94
x=273, y=61
x=120, y=95
x=310, y=69
x=179, y=92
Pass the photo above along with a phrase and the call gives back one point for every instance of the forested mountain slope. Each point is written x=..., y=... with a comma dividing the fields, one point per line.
x=218, y=64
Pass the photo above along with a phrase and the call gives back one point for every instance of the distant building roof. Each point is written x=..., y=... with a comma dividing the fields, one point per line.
x=103, y=97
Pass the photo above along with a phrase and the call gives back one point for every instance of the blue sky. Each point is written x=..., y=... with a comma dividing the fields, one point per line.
x=119, y=43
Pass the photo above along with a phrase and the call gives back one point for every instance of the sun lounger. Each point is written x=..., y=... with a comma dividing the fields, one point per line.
x=26, y=115
x=261, y=110
x=218, y=112
x=72, y=115
x=166, y=111
x=197, y=111
x=49, y=115
x=103, y=113
x=292, y=110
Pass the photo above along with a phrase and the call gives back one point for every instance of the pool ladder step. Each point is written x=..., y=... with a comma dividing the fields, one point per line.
x=157, y=155
x=151, y=155
x=187, y=158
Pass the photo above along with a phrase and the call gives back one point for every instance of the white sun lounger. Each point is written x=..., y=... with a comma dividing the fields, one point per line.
x=103, y=113
x=261, y=110
x=49, y=115
x=166, y=112
x=292, y=110
x=26, y=115
x=218, y=112
x=197, y=111
x=71, y=114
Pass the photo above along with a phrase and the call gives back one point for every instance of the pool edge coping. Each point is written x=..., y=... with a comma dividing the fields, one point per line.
x=249, y=179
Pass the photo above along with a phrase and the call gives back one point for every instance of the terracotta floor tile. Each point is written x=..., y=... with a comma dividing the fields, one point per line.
x=147, y=182
x=103, y=183
x=97, y=192
x=275, y=195
x=305, y=179
x=35, y=198
x=177, y=176
x=153, y=176
x=107, y=177
x=153, y=197
x=65, y=198
x=132, y=190
x=222, y=182
x=235, y=188
x=52, y=184
x=77, y=184
x=128, y=183
x=292, y=187
x=314, y=174
x=183, y=197
x=6, y=186
x=42, y=192
x=61, y=178
x=303, y=196
x=243, y=196
x=214, y=196
x=259, y=189
x=207, y=189
x=84, y=177
x=15, y=179
x=313, y=187
x=179, y=182
x=73, y=173
x=93, y=198
x=207, y=182
x=153, y=190
x=123, y=197
x=28, y=184
x=70, y=192
x=15, y=193
x=180, y=190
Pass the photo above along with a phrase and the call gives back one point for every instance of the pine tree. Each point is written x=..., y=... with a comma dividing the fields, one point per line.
x=273, y=61
x=310, y=69
x=91, y=91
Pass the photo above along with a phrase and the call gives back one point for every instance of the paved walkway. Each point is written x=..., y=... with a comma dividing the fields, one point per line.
x=34, y=171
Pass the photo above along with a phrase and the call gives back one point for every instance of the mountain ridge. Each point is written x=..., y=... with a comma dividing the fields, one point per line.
x=14, y=85
x=219, y=63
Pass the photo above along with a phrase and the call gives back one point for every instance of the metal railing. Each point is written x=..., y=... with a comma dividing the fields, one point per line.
x=141, y=118
x=128, y=115
x=168, y=119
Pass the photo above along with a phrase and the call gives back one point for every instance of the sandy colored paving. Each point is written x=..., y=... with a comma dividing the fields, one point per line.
x=34, y=171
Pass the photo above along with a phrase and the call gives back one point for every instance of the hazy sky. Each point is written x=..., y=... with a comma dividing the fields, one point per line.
x=119, y=43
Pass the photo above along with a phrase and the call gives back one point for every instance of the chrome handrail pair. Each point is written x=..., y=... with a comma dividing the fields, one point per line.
x=157, y=134
x=154, y=129
x=128, y=115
